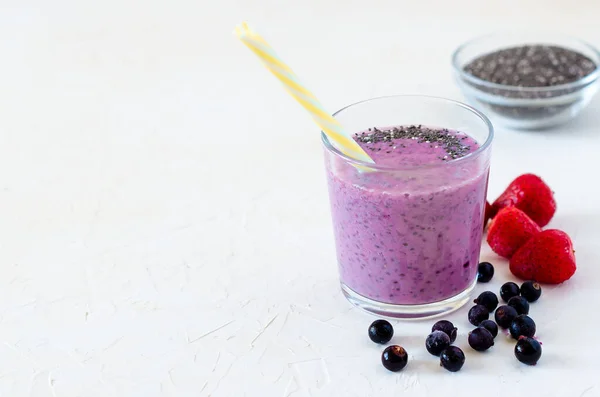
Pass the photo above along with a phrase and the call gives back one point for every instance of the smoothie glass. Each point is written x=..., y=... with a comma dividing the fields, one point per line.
x=408, y=237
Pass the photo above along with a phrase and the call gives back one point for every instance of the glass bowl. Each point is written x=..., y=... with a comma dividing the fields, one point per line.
x=525, y=107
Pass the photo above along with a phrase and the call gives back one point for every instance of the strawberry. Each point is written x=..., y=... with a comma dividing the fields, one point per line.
x=509, y=230
x=487, y=215
x=530, y=194
x=548, y=257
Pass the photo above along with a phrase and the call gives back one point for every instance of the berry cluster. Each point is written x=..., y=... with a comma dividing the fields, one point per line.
x=438, y=343
x=512, y=316
x=515, y=232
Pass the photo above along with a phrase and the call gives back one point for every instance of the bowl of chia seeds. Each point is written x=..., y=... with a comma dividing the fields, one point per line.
x=528, y=80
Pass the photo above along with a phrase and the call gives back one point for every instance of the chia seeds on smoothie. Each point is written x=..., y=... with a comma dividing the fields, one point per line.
x=405, y=237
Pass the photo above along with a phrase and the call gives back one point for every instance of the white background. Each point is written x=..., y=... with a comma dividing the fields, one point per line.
x=164, y=221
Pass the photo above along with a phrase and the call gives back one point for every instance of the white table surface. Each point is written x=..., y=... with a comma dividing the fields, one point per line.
x=164, y=220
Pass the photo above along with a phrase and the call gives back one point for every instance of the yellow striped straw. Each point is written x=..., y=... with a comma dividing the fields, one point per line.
x=330, y=126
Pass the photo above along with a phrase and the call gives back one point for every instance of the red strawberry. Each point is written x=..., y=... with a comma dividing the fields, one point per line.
x=488, y=214
x=509, y=230
x=548, y=257
x=530, y=194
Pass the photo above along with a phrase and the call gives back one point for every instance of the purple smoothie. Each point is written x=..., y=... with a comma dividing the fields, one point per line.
x=410, y=234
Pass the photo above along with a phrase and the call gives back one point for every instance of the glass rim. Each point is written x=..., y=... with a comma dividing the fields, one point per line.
x=513, y=88
x=364, y=164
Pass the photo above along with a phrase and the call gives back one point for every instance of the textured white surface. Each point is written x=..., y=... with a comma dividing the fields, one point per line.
x=164, y=223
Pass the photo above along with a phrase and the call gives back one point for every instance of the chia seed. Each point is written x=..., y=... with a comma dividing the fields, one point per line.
x=446, y=139
x=531, y=66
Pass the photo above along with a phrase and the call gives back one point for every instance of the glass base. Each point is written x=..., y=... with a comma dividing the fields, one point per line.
x=427, y=310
